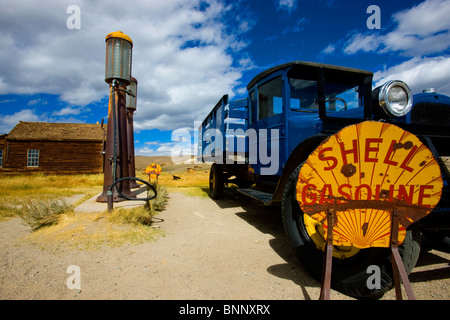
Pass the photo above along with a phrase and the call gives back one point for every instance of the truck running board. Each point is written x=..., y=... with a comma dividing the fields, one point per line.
x=264, y=197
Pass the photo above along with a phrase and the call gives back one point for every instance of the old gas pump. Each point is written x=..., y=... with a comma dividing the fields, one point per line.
x=131, y=108
x=118, y=75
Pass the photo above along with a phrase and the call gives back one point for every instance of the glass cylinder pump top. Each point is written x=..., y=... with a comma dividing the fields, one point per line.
x=118, y=57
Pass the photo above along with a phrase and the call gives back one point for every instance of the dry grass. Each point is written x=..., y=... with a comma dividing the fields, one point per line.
x=60, y=228
x=91, y=231
x=15, y=190
x=39, y=213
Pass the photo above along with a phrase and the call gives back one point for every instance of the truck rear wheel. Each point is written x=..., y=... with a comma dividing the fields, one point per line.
x=350, y=267
x=216, y=181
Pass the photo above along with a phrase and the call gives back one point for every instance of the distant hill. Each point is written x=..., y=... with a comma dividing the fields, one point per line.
x=142, y=162
x=167, y=164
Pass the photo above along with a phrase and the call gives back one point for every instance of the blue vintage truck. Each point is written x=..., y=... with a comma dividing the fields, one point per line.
x=260, y=142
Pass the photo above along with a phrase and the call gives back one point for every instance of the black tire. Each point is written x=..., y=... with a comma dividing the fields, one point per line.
x=349, y=275
x=216, y=181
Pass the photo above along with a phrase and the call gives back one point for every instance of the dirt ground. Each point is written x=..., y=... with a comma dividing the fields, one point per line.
x=214, y=250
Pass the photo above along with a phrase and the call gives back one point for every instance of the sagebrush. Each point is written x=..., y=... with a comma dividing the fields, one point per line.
x=40, y=213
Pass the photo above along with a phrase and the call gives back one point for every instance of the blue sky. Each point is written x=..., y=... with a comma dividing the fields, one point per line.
x=188, y=53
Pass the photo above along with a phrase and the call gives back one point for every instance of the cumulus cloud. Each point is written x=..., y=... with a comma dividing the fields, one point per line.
x=359, y=42
x=419, y=74
x=420, y=34
x=67, y=111
x=9, y=121
x=181, y=55
x=421, y=30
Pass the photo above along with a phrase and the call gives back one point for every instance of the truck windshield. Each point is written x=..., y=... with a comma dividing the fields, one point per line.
x=338, y=97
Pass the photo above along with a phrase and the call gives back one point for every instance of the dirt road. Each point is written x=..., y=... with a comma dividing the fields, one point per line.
x=211, y=250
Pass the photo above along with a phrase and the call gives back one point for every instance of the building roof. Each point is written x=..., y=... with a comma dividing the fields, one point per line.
x=45, y=131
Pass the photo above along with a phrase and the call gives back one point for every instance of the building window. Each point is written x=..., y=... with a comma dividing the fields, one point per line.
x=1, y=158
x=33, y=158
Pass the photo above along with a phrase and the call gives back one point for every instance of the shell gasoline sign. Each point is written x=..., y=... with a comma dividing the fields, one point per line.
x=364, y=172
x=153, y=171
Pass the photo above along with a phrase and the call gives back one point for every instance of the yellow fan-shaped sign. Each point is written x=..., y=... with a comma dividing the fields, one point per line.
x=364, y=172
x=153, y=170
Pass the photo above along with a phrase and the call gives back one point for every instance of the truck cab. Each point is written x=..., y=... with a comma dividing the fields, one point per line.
x=260, y=142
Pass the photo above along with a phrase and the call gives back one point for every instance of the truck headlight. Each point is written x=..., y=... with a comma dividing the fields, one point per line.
x=394, y=97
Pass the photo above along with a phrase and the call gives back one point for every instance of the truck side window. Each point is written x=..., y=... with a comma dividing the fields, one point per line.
x=270, y=98
x=303, y=95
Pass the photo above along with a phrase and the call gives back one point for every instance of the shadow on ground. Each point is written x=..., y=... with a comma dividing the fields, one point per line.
x=267, y=219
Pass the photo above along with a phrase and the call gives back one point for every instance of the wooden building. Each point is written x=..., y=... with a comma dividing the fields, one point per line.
x=63, y=148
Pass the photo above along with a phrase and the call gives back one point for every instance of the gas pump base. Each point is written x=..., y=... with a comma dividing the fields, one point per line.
x=115, y=196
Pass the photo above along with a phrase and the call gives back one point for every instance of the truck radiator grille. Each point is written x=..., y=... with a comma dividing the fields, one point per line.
x=431, y=114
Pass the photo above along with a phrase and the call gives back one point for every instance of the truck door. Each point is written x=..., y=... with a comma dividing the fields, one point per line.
x=267, y=120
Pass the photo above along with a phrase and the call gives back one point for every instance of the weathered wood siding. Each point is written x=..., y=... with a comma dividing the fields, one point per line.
x=3, y=148
x=63, y=157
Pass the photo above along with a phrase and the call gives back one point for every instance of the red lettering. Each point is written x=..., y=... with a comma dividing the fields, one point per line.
x=358, y=192
x=326, y=189
x=408, y=158
x=348, y=196
x=323, y=158
x=391, y=193
x=353, y=151
x=387, y=159
x=370, y=149
x=306, y=194
x=422, y=195
x=402, y=194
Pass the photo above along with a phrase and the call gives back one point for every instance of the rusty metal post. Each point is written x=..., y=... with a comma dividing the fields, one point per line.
x=116, y=152
x=130, y=143
x=398, y=268
x=110, y=201
x=327, y=258
x=111, y=144
x=131, y=108
x=122, y=163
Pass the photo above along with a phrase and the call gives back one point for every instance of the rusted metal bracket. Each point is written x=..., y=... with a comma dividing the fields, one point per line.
x=398, y=268
x=327, y=258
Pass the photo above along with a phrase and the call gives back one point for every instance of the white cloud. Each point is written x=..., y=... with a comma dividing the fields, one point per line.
x=329, y=49
x=359, y=42
x=67, y=111
x=36, y=101
x=288, y=5
x=8, y=122
x=420, y=30
x=181, y=55
x=419, y=73
x=425, y=19
x=421, y=34
x=179, y=151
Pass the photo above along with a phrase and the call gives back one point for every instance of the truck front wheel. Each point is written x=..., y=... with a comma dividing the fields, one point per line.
x=350, y=265
x=216, y=181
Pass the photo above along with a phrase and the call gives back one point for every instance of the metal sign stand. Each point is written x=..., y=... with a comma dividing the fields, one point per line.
x=327, y=258
x=398, y=269
x=397, y=263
